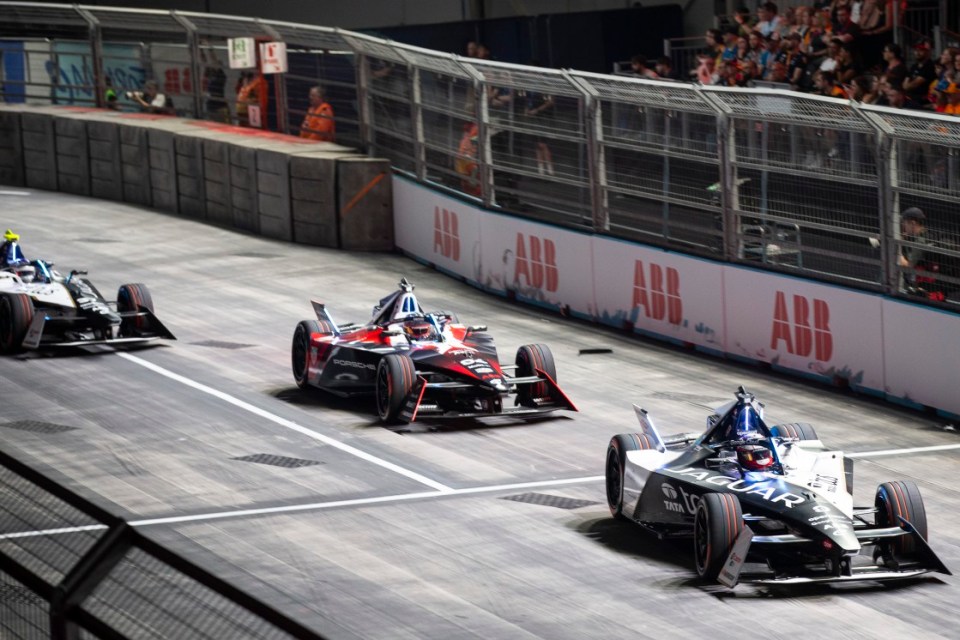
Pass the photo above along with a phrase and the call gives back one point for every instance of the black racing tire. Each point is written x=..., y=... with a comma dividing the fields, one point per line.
x=130, y=297
x=16, y=314
x=717, y=523
x=300, y=349
x=901, y=498
x=395, y=377
x=616, y=463
x=798, y=430
x=531, y=357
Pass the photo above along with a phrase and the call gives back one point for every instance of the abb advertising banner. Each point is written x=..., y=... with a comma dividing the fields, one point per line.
x=441, y=230
x=650, y=290
x=921, y=357
x=811, y=328
x=537, y=263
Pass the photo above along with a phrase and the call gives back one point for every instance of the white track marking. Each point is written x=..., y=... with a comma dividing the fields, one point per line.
x=316, y=506
x=900, y=452
x=289, y=424
x=14, y=193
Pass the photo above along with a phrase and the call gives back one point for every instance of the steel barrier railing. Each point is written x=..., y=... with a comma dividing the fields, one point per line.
x=777, y=179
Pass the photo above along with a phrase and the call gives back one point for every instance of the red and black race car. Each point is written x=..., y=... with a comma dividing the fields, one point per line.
x=422, y=364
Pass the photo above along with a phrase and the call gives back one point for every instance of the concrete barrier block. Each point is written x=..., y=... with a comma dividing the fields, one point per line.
x=163, y=169
x=134, y=163
x=11, y=149
x=365, y=206
x=40, y=155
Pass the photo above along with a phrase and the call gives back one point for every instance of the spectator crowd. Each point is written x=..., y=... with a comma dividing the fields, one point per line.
x=839, y=48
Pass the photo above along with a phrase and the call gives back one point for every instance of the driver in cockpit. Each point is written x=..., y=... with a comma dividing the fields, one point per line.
x=419, y=330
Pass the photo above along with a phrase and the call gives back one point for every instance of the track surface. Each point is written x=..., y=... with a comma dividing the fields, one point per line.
x=410, y=534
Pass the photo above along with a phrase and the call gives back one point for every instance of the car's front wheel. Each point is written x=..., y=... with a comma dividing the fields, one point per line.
x=901, y=499
x=717, y=523
x=16, y=314
x=395, y=377
x=616, y=464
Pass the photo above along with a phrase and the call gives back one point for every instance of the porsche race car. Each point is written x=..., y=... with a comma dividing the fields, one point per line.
x=421, y=364
x=41, y=308
x=765, y=504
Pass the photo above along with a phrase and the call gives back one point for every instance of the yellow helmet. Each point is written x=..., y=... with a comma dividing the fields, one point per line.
x=10, y=235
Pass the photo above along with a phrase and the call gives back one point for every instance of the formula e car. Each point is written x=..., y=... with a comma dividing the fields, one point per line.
x=41, y=308
x=421, y=364
x=767, y=505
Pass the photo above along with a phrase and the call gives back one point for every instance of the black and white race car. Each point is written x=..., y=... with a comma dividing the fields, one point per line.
x=41, y=308
x=765, y=504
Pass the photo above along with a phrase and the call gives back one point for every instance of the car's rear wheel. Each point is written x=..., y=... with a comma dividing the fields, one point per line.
x=717, y=523
x=616, y=463
x=300, y=349
x=901, y=499
x=395, y=377
x=531, y=357
x=131, y=297
x=16, y=314
x=798, y=430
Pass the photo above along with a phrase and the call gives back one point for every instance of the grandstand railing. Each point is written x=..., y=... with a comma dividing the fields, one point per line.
x=776, y=179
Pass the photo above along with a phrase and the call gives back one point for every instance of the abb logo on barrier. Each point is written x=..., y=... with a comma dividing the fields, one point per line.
x=536, y=262
x=661, y=298
x=446, y=234
x=799, y=338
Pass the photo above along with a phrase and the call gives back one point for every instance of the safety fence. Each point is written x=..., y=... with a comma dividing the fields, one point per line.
x=69, y=569
x=781, y=180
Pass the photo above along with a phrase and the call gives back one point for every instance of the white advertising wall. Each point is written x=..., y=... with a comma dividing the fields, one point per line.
x=905, y=352
x=654, y=291
x=438, y=229
x=814, y=329
x=922, y=355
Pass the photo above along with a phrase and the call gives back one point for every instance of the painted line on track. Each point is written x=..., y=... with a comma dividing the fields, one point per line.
x=315, y=506
x=900, y=452
x=4, y=192
x=289, y=424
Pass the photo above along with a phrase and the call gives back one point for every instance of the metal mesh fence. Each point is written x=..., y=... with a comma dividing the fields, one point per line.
x=23, y=614
x=778, y=179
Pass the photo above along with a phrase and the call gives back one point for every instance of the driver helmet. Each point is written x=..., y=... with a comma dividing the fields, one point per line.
x=10, y=236
x=418, y=330
x=26, y=272
x=754, y=457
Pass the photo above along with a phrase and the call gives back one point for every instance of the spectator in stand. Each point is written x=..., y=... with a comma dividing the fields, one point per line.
x=151, y=100
x=876, y=29
x=802, y=23
x=818, y=37
x=897, y=99
x=318, y=123
x=714, y=45
x=792, y=59
x=729, y=53
x=706, y=69
x=743, y=50
x=778, y=73
x=831, y=60
x=745, y=21
x=893, y=60
x=755, y=46
x=921, y=74
x=844, y=28
x=913, y=229
x=848, y=65
x=769, y=22
x=944, y=69
x=638, y=65
x=833, y=7
x=825, y=83
x=863, y=89
x=769, y=55
x=952, y=100
x=664, y=69
x=214, y=84
x=471, y=49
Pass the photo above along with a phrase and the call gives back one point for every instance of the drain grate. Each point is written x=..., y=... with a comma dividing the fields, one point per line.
x=254, y=254
x=15, y=594
x=37, y=427
x=547, y=500
x=220, y=344
x=278, y=461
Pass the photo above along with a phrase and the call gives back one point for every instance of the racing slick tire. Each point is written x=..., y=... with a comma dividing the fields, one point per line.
x=16, y=314
x=717, y=523
x=130, y=297
x=616, y=463
x=395, y=377
x=901, y=498
x=301, y=347
x=531, y=357
x=798, y=430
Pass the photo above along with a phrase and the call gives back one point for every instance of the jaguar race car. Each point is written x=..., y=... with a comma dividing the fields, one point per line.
x=765, y=504
x=421, y=364
x=41, y=308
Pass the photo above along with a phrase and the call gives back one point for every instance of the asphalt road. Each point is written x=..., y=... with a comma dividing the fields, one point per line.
x=482, y=529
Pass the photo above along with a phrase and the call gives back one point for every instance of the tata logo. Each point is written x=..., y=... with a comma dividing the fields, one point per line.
x=669, y=491
x=446, y=234
x=801, y=334
x=657, y=291
x=536, y=262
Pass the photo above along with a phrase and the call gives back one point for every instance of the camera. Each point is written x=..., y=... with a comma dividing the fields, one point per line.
x=133, y=95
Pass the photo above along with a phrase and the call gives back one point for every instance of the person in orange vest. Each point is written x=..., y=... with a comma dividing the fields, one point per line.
x=252, y=92
x=319, y=123
x=465, y=164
